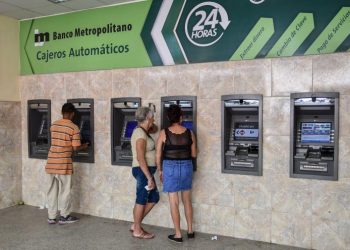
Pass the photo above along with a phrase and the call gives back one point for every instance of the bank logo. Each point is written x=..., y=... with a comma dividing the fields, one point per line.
x=206, y=24
x=240, y=132
x=40, y=38
x=257, y=1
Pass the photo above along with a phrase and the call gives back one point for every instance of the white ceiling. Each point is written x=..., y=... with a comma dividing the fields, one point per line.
x=23, y=9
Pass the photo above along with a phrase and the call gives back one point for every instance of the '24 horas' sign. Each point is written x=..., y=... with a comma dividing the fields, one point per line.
x=168, y=32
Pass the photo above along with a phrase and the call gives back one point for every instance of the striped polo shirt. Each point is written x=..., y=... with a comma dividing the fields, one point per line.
x=64, y=136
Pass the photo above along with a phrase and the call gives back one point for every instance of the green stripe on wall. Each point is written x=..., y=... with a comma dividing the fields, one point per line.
x=333, y=35
x=256, y=40
x=294, y=36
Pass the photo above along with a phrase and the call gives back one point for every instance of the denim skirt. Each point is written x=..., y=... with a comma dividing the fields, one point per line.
x=177, y=175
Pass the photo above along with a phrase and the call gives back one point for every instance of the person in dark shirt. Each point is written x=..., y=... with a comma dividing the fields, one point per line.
x=176, y=148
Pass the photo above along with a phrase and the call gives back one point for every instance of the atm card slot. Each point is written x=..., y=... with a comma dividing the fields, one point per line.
x=241, y=164
x=253, y=155
x=230, y=153
x=313, y=167
x=83, y=153
x=125, y=157
x=314, y=154
x=242, y=151
x=42, y=150
x=327, y=158
x=125, y=154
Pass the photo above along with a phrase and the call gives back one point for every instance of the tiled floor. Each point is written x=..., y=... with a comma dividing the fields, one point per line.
x=25, y=227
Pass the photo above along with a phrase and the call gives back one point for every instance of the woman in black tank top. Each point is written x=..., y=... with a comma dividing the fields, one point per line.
x=176, y=147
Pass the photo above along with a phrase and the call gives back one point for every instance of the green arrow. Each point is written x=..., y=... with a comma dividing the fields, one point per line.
x=294, y=36
x=256, y=40
x=333, y=35
x=146, y=33
x=169, y=35
x=26, y=65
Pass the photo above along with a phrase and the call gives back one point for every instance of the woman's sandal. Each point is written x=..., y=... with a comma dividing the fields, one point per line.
x=144, y=236
x=190, y=235
x=132, y=230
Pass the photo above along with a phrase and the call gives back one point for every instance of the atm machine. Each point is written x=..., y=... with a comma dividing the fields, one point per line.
x=39, y=122
x=314, y=135
x=84, y=119
x=241, y=131
x=123, y=123
x=188, y=106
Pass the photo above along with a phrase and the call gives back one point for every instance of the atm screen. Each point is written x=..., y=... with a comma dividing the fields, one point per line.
x=246, y=131
x=85, y=132
x=129, y=128
x=316, y=132
x=187, y=124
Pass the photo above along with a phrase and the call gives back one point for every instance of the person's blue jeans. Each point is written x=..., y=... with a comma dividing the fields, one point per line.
x=142, y=195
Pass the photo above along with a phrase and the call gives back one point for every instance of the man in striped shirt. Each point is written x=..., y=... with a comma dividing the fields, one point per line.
x=65, y=137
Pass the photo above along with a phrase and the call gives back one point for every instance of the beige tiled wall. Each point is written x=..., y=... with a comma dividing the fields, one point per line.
x=10, y=154
x=272, y=208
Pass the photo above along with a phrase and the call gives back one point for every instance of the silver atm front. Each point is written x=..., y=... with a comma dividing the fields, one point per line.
x=314, y=135
x=241, y=133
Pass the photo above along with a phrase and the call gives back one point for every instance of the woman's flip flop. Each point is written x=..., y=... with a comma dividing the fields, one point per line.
x=144, y=236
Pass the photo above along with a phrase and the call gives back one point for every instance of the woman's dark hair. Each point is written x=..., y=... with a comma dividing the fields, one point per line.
x=174, y=113
x=68, y=108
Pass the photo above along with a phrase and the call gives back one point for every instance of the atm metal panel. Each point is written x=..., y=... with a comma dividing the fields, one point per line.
x=34, y=151
x=230, y=104
x=321, y=110
x=121, y=147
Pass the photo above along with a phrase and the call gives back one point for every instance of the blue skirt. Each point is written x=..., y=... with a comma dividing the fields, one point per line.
x=177, y=175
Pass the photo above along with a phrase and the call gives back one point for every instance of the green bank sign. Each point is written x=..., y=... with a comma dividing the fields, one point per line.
x=168, y=32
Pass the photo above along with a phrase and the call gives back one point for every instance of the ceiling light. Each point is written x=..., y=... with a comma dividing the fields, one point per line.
x=58, y=1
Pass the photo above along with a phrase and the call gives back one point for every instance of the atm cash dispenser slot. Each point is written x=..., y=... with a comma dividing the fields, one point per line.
x=123, y=123
x=188, y=106
x=39, y=122
x=314, y=135
x=84, y=119
x=241, y=132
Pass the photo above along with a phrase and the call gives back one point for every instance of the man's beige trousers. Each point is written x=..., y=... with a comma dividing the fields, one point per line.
x=59, y=193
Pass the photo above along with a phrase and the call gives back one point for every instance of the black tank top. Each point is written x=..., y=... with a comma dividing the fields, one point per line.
x=177, y=146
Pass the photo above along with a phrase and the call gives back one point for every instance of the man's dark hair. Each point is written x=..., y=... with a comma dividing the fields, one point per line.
x=68, y=108
x=174, y=113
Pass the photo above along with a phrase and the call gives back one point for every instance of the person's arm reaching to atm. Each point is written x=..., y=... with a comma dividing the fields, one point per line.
x=81, y=147
x=76, y=142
